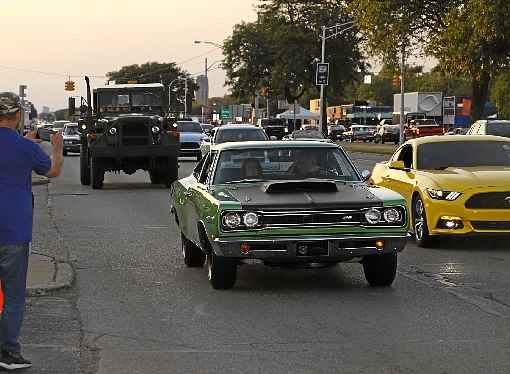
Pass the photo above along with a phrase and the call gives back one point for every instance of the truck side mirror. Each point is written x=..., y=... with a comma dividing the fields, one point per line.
x=397, y=165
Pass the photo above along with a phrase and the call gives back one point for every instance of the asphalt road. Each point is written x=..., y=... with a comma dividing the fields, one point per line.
x=136, y=308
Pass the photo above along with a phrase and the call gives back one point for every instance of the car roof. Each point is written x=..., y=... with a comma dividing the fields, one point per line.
x=264, y=144
x=457, y=138
x=230, y=127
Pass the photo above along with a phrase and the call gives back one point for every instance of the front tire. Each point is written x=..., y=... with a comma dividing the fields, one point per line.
x=155, y=177
x=84, y=168
x=380, y=269
x=222, y=271
x=420, y=226
x=193, y=256
x=96, y=175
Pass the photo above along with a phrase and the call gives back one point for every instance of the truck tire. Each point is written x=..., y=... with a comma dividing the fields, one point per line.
x=96, y=174
x=222, y=271
x=155, y=176
x=193, y=256
x=84, y=168
x=170, y=176
x=380, y=269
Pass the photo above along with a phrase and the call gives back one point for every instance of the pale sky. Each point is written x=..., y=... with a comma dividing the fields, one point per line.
x=79, y=37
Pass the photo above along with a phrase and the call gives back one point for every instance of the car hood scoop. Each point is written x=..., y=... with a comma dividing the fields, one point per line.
x=300, y=186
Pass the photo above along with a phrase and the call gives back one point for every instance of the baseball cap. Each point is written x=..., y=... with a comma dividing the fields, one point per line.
x=9, y=103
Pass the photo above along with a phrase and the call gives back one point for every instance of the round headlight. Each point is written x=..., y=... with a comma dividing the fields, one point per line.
x=391, y=215
x=373, y=216
x=251, y=219
x=112, y=131
x=155, y=129
x=232, y=220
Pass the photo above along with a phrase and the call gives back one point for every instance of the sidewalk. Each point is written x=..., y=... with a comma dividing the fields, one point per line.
x=45, y=271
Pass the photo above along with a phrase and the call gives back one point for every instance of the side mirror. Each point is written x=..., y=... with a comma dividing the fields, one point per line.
x=365, y=175
x=206, y=140
x=397, y=165
x=273, y=138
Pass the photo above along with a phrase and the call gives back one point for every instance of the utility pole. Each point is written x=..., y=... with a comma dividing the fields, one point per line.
x=22, y=96
x=267, y=106
x=185, y=98
x=402, y=90
x=257, y=101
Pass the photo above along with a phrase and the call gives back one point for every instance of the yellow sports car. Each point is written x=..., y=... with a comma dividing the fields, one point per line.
x=452, y=184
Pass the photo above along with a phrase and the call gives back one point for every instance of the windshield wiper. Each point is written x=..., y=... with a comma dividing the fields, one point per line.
x=245, y=181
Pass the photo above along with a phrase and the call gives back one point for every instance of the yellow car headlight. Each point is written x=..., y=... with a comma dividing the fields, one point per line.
x=443, y=195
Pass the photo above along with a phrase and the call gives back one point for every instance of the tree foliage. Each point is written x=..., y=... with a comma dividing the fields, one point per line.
x=501, y=94
x=278, y=50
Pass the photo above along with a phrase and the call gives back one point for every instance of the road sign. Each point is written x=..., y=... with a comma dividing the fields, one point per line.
x=225, y=113
x=322, y=77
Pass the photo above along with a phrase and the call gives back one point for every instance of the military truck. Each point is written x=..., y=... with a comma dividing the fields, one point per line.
x=125, y=128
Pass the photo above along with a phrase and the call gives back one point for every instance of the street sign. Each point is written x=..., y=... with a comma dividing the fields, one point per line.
x=322, y=77
x=225, y=113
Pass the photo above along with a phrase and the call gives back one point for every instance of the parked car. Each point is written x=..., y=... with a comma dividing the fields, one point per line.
x=274, y=127
x=358, y=133
x=457, y=131
x=490, y=127
x=71, y=134
x=453, y=185
x=336, y=132
x=418, y=128
x=58, y=126
x=232, y=133
x=190, y=137
x=289, y=204
x=387, y=133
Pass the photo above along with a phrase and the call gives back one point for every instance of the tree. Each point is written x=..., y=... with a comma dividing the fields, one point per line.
x=475, y=41
x=501, y=94
x=279, y=50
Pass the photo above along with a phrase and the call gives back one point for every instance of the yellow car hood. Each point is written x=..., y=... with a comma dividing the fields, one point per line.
x=462, y=179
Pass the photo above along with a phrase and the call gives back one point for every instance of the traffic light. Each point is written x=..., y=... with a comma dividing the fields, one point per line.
x=396, y=81
x=69, y=86
x=264, y=91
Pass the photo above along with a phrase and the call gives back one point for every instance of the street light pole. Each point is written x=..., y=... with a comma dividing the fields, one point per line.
x=402, y=90
x=321, y=104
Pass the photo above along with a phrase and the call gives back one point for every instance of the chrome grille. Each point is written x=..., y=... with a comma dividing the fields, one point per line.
x=300, y=218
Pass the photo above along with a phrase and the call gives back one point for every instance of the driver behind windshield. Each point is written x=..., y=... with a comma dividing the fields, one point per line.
x=306, y=165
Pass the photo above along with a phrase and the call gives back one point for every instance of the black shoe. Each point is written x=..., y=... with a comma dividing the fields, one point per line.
x=13, y=361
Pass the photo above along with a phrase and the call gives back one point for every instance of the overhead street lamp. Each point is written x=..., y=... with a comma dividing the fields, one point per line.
x=333, y=32
x=207, y=42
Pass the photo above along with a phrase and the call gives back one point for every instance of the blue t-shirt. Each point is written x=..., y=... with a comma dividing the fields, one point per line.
x=18, y=158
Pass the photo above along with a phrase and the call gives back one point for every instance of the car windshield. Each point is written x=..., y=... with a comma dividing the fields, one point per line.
x=239, y=135
x=59, y=124
x=499, y=129
x=359, y=129
x=189, y=127
x=71, y=130
x=250, y=165
x=145, y=101
x=307, y=134
x=463, y=154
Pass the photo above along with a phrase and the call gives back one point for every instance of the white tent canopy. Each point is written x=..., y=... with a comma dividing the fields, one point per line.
x=301, y=113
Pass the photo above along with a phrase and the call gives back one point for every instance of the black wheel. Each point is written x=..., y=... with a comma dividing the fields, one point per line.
x=380, y=269
x=96, y=174
x=421, y=229
x=222, y=271
x=84, y=168
x=193, y=256
x=170, y=176
x=155, y=177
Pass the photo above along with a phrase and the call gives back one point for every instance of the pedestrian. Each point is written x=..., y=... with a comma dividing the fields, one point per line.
x=19, y=156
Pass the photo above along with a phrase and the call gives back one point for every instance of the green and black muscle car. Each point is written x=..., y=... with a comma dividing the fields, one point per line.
x=288, y=204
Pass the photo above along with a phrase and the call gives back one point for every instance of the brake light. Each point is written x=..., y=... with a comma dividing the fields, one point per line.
x=175, y=134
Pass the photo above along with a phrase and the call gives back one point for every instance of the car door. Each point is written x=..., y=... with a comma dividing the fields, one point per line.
x=185, y=213
x=403, y=181
x=199, y=202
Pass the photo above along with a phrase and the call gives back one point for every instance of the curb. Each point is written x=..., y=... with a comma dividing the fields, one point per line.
x=64, y=278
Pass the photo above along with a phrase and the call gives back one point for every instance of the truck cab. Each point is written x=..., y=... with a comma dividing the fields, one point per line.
x=127, y=130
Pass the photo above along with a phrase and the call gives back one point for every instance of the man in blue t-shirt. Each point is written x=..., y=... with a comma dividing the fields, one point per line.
x=19, y=156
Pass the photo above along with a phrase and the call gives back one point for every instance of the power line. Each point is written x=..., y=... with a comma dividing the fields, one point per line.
x=47, y=72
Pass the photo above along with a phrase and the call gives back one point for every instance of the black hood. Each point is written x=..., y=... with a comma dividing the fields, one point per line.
x=264, y=196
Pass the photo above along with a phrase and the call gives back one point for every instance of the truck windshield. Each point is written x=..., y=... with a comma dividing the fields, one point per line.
x=129, y=101
x=466, y=154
